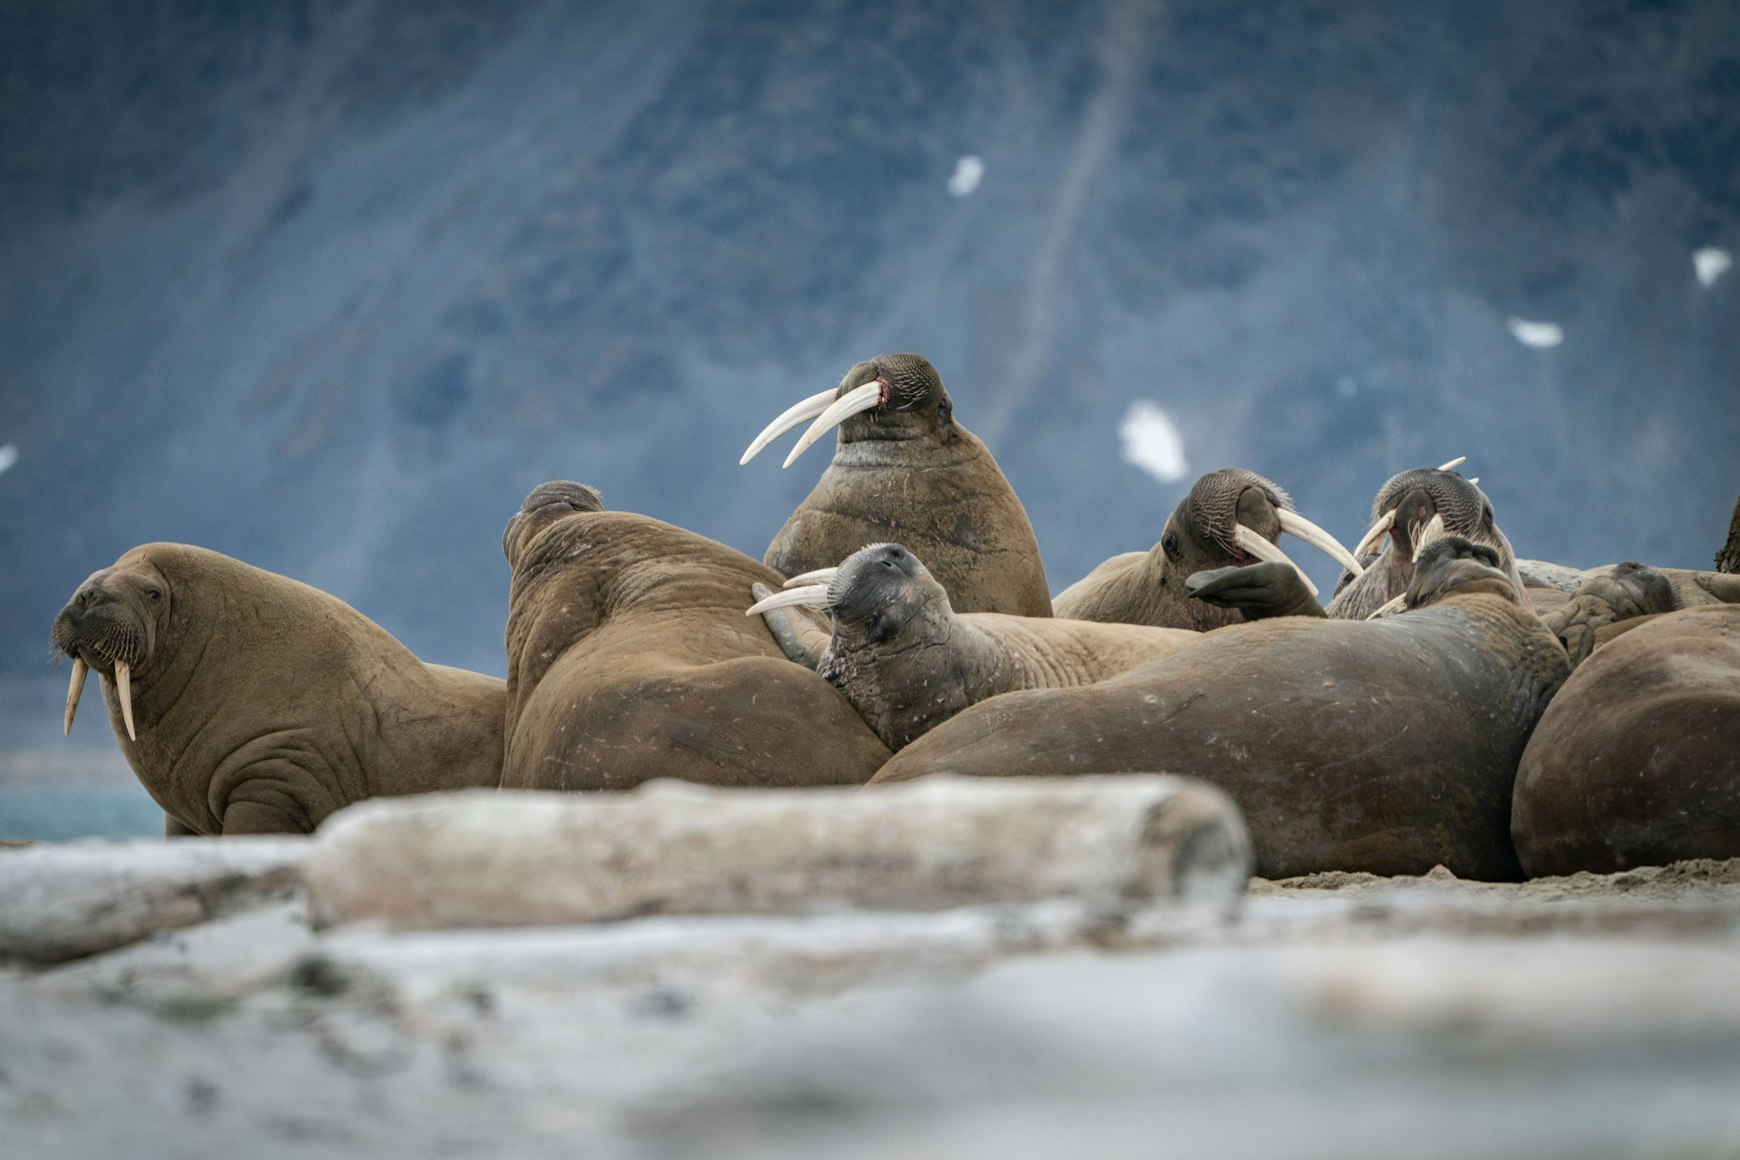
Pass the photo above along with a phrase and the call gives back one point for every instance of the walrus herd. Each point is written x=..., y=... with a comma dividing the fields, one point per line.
x=1449, y=704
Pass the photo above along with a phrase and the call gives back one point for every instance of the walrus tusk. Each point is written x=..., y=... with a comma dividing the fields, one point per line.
x=857, y=399
x=1376, y=533
x=810, y=595
x=819, y=576
x=1434, y=530
x=124, y=694
x=1256, y=546
x=1393, y=604
x=1457, y=462
x=1474, y=482
x=1303, y=528
x=74, y=690
x=789, y=418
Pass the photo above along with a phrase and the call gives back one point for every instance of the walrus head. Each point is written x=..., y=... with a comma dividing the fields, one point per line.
x=1452, y=564
x=1233, y=517
x=547, y=501
x=874, y=594
x=111, y=625
x=1412, y=510
x=892, y=396
x=1624, y=592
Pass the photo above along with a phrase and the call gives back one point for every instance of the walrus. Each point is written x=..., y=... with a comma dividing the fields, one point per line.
x=629, y=658
x=1411, y=509
x=249, y=703
x=908, y=661
x=1230, y=518
x=1386, y=746
x=1637, y=760
x=906, y=470
x=1615, y=600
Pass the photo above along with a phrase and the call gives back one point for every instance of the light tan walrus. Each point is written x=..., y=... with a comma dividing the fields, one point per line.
x=250, y=703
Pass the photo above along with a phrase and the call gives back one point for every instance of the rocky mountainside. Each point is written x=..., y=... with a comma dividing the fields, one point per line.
x=330, y=285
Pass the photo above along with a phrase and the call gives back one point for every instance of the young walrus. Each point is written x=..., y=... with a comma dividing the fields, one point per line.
x=1388, y=746
x=1230, y=518
x=249, y=703
x=908, y=661
x=906, y=470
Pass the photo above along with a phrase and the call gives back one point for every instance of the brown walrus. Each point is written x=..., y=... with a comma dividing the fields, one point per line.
x=1637, y=760
x=905, y=470
x=1387, y=746
x=1230, y=518
x=908, y=661
x=1412, y=509
x=1613, y=601
x=250, y=703
x=629, y=658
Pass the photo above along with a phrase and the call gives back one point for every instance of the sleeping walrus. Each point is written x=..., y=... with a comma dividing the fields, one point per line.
x=629, y=658
x=908, y=661
x=1230, y=518
x=249, y=703
x=1387, y=746
x=906, y=470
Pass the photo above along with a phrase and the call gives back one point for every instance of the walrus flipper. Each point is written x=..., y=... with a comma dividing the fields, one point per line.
x=801, y=640
x=1260, y=591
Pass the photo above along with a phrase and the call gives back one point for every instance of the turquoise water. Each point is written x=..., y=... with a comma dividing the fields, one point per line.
x=56, y=815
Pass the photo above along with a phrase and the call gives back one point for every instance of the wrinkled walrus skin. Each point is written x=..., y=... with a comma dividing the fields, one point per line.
x=1637, y=760
x=261, y=704
x=629, y=658
x=1386, y=746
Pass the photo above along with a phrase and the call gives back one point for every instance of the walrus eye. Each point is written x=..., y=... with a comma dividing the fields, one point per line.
x=1169, y=544
x=155, y=595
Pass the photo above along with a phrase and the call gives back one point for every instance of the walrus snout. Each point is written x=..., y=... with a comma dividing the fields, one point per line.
x=101, y=628
x=1453, y=562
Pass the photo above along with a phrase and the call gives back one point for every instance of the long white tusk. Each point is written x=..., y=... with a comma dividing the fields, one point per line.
x=857, y=399
x=1457, y=462
x=1263, y=550
x=124, y=694
x=74, y=691
x=812, y=595
x=1432, y=531
x=1376, y=533
x=1391, y=605
x=1299, y=526
x=789, y=418
x=819, y=576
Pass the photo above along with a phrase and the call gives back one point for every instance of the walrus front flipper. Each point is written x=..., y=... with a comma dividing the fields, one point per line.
x=1260, y=591
x=801, y=640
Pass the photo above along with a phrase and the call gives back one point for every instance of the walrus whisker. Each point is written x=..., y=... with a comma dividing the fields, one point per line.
x=1296, y=524
x=124, y=694
x=1393, y=604
x=1255, y=545
x=1375, y=534
x=1454, y=463
x=860, y=398
x=818, y=576
x=789, y=418
x=810, y=596
x=74, y=690
x=1432, y=531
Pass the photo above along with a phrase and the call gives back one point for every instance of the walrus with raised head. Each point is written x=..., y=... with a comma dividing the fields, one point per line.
x=906, y=470
x=1637, y=760
x=629, y=658
x=1230, y=518
x=250, y=703
x=908, y=661
x=1387, y=746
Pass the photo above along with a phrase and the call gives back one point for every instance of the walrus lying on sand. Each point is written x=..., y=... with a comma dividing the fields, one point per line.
x=1637, y=760
x=1386, y=746
x=905, y=470
x=249, y=703
x=908, y=661
x=629, y=658
x=1230, y=518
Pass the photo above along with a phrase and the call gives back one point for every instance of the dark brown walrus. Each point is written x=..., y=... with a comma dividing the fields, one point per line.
x=1387, y=746
x=629, y=658
x=1231, y=517
x=261, y=705
x=905, y=470
x=908, y=661
x=1637, y=760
